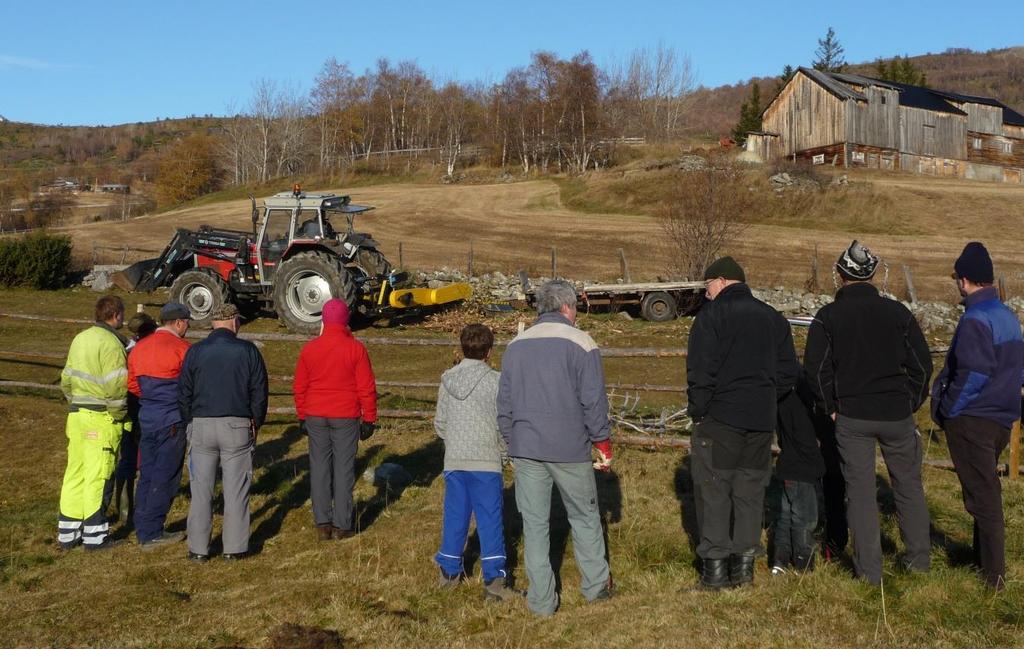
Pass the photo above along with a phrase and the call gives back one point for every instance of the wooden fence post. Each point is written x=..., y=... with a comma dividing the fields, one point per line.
x=624, y=266
x=909, y=277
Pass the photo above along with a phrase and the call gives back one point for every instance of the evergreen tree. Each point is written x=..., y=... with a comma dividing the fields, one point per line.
x=750, y=115
x=900, y=70
x=787, y=74
x=829, y=55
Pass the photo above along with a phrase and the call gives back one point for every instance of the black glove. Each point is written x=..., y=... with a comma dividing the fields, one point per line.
x=302, y=427
x=366, y=430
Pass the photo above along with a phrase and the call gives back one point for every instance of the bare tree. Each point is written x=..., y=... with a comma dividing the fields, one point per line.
x=703, y=216
x=334, y=92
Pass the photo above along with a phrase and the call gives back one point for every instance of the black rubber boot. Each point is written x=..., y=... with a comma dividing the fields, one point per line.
x=714, y=574
x=741, y=569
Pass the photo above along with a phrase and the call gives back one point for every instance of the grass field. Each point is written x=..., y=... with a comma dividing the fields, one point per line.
x=378, y=589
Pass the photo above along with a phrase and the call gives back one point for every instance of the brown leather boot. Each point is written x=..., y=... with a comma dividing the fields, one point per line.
x=340, y=534
x=324, y=532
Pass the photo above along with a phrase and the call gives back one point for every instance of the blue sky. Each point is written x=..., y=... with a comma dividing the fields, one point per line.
x=117, y=62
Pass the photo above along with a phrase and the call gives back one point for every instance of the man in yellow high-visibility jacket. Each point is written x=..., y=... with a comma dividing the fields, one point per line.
x=95, y=384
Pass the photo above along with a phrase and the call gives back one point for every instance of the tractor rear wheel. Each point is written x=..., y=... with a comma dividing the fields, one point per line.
x=304, y=283
x=373, y=263
x=202, y=291
x=658, y=306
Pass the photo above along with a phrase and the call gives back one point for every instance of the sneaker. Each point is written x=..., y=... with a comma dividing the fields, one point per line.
x=497, y=590
x=165, y=538
x=446, y=581
x=195, y=557
x=235, y=556
x=778, y=571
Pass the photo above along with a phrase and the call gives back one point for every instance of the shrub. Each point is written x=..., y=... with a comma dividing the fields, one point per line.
x=38, y=260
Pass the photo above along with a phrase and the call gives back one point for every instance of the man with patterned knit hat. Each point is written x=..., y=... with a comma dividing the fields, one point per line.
x=976, y=399
x=868, y=365
x=552, y=411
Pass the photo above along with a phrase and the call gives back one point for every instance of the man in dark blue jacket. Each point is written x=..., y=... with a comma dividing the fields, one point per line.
x=222, y=395
x=976, y=398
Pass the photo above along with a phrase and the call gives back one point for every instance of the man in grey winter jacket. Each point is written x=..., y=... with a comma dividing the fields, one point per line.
x=466, y=419
x=552, y=410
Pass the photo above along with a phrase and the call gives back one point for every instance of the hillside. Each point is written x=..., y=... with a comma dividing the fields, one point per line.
x=995, y=73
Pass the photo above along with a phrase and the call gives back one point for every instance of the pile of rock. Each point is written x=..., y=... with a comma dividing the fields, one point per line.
x=99, y=278
x=784, y=180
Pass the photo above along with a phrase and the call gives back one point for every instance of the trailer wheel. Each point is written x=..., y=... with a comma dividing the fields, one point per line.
x=202, y=291
x=304, y=283
x=658, y=307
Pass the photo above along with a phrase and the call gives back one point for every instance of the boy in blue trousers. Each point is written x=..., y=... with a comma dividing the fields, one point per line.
x=467, y=421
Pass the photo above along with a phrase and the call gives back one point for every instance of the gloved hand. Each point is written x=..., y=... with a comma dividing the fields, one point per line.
x=604, y=455
x=366, y=430
x=302, y=427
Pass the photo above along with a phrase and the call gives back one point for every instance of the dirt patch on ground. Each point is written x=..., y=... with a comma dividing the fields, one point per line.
x=515, y=226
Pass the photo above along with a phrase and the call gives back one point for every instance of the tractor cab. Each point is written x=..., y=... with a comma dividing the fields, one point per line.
x=298, y=221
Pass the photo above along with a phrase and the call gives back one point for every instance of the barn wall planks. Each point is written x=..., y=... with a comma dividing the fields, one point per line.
x=805, y=116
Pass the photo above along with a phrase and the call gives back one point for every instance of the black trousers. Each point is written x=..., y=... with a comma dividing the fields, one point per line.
x=833, y=486
x=975, y=445
x=731, y=468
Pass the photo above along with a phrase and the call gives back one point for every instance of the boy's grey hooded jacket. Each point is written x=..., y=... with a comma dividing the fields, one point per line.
x=467, y=418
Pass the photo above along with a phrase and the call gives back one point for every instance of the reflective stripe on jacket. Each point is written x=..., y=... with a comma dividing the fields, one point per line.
x=96, y=374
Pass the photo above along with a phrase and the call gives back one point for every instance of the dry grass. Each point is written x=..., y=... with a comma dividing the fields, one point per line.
x=378, y=588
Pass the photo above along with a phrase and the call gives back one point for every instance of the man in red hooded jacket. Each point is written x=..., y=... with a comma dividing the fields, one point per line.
x=336, y=401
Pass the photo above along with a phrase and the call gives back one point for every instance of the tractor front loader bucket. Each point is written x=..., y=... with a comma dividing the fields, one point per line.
x=130, y=278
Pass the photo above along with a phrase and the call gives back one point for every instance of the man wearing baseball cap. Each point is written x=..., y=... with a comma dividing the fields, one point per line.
x=153, y=368
x=976, y=398
x=868, y=364
x=222, y=395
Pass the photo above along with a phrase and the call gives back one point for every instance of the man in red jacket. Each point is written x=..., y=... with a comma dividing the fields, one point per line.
x=336, y=401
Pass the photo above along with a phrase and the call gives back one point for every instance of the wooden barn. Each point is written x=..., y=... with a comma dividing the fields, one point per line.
x=853, y=121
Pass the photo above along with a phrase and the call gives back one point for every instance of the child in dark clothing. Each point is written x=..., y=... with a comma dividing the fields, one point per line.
x=798, y=470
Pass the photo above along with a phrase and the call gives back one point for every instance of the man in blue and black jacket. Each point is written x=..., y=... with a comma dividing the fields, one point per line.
x=976, y=399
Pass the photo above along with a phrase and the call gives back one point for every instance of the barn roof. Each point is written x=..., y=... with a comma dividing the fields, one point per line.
x=828, y=82
x=1010, y=116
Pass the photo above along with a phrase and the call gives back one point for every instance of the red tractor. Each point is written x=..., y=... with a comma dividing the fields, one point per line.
x=292, y=262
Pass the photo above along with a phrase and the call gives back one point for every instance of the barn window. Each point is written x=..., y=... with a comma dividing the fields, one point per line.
x=1006, y=146
x=858, y=156
x=976, y=143
x=883, y=100
x=818, y=159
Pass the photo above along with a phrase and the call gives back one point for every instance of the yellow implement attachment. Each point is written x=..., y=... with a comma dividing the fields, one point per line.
x=405, y=298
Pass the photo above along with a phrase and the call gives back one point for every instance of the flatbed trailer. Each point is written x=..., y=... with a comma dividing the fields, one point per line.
x=657, y=301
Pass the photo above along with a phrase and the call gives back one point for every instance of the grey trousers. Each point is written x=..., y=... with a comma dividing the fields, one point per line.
x=227, y=442
x=578, y=488
x=333, y=444
x=901, y=450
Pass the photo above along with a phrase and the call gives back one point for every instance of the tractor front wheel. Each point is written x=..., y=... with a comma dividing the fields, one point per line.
x=304, y=283
x=202, y=292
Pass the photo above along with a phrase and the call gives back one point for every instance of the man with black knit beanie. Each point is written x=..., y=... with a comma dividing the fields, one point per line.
x=976, y=399
x=868, y=365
